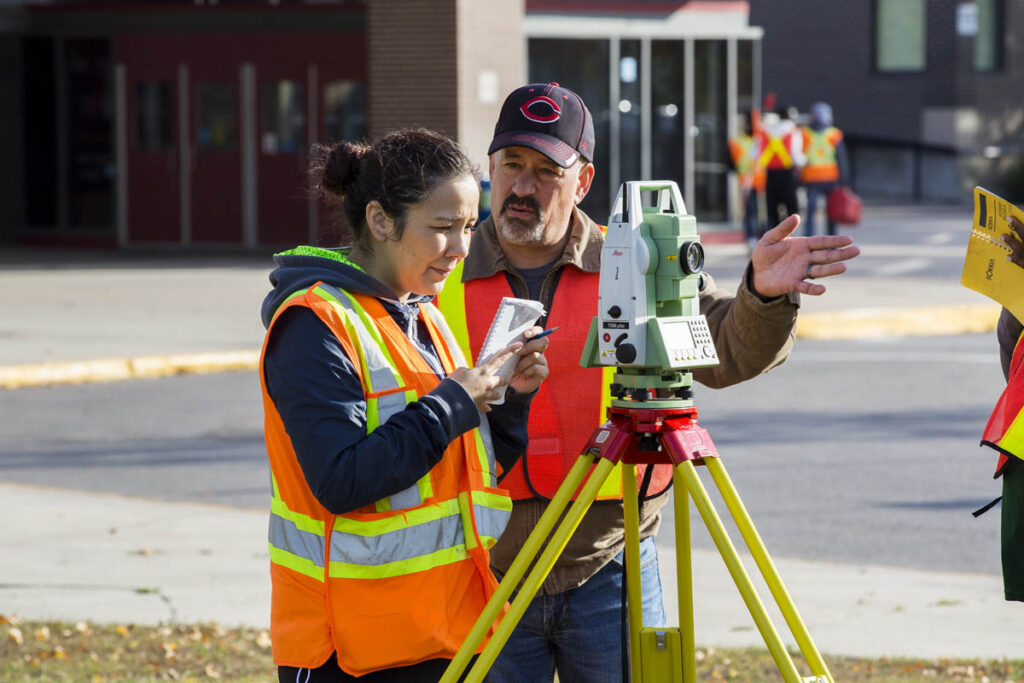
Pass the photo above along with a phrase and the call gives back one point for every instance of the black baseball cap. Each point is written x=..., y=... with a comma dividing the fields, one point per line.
x=548, y=118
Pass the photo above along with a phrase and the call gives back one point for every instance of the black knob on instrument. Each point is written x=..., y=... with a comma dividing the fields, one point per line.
x=625, y=353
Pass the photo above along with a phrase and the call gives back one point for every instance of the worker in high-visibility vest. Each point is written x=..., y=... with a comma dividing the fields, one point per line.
x=745, y=154
x=826, y=167
x=782, y=157
x=384, y=450
x=538, y=244
x=1005, y=433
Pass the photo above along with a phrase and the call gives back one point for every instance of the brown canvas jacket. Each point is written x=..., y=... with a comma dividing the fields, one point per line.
x=751, y=336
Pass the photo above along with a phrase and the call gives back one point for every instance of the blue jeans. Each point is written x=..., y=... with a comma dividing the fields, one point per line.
x=814, y=191
x=750, y=226
x=578, y=632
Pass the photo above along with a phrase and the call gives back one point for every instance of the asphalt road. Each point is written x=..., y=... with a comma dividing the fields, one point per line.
x=851, y=451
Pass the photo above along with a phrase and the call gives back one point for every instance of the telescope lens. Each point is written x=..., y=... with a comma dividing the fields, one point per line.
x=691, y=258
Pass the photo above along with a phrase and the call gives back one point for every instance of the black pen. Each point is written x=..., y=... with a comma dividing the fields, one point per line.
x=544, y=333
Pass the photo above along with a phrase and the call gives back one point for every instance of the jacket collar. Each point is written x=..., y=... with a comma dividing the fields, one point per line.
x=583, y=250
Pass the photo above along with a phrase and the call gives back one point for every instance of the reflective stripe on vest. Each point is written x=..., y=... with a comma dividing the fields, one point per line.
x=485, y=445
x=741, y=148
x=821, y=155
x=386, y=394
x=775, y=149
x=558, y=427
x=296, y=540
x=418, y=538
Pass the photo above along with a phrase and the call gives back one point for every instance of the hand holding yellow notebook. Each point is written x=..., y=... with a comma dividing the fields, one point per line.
x=986, y=269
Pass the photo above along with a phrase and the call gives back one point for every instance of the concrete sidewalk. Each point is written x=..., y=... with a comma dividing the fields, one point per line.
x=74, y=317
x=72, y=555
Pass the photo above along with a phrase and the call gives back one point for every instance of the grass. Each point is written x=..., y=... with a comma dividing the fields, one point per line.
x=58, y=652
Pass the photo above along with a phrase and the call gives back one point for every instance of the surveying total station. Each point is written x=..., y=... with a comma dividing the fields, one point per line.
x=648, y=328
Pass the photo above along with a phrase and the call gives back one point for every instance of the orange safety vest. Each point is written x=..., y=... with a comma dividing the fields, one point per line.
x=776, y=154
x=746, y=159
x=571, y=401
x=1005, y=429
x=402, y=580
x=820, y=149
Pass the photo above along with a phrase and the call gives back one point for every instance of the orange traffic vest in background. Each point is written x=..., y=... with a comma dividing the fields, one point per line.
x=401, y=580
x=1005, y=429
x=570, y=403
x=746, y=157
x=820, y=150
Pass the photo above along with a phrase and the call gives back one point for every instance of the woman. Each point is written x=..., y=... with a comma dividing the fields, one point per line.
x=382, y=463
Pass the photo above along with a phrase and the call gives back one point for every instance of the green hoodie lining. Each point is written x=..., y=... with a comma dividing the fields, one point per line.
x=340, y=255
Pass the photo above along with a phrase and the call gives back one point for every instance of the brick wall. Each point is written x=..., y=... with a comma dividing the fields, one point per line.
x=814, y=50
x=426, y=58
x=412, y=61
x=825, y=51
x=492, y=46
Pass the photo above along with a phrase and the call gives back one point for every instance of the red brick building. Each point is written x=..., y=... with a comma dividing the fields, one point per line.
x=188, y=123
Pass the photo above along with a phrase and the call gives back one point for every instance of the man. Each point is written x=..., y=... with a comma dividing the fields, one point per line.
x=745, y=155
x=783, y=156
x=1005, y=433
x=826, y=167
x=537, y=244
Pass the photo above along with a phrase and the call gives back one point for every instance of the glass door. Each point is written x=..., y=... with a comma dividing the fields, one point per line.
x=283, y=197
x=216, y=163
x=710, y=130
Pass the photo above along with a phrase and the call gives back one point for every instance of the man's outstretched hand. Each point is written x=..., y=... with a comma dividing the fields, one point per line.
x=783, y=263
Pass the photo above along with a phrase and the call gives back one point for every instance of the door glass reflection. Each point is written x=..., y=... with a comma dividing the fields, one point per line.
x=153, y=116
x=217, y=117
x=344, y=110
x=284, y=119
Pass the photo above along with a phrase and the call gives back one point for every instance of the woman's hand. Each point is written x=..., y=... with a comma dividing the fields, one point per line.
x=532, y=367
x=481, y=383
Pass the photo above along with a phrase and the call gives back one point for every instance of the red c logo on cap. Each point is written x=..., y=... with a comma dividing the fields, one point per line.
x=551, y=117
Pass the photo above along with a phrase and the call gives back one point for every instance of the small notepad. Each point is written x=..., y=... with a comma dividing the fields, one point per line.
x=986, y=269
x=514, y=317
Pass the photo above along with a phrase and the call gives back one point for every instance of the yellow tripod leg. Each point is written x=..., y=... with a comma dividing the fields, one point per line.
x=519, y=566
x=631, y=557
x=739, y=574
x=767, y=567
x=541, y=569
x=684, y=575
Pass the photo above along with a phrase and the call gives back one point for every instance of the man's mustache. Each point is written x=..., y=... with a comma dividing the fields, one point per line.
x=528, y=202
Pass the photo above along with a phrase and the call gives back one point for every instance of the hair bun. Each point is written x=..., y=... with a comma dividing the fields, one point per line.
x=342, y=166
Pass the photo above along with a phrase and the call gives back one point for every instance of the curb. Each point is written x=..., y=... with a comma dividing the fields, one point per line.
x=876, y=323
x=860, y=323
x=118, y=369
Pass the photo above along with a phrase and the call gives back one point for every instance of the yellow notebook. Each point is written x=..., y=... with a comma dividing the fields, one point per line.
x=986, y=269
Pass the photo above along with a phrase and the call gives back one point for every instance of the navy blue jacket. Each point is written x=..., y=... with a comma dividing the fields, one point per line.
x=317, y=392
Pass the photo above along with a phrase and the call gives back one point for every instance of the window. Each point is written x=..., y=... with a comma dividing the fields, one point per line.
x=988, y=43
x=153, y=116
x=667, y=100
x=583, y=67
x=344, y=110
x=217, y=117
x=900, y=35
x=284, y=123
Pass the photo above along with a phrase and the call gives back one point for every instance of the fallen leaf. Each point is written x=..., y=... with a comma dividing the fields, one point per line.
x=14, y=633
x=211, y=671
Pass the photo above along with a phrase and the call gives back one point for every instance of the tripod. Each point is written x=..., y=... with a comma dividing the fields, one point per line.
x=646, y=435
